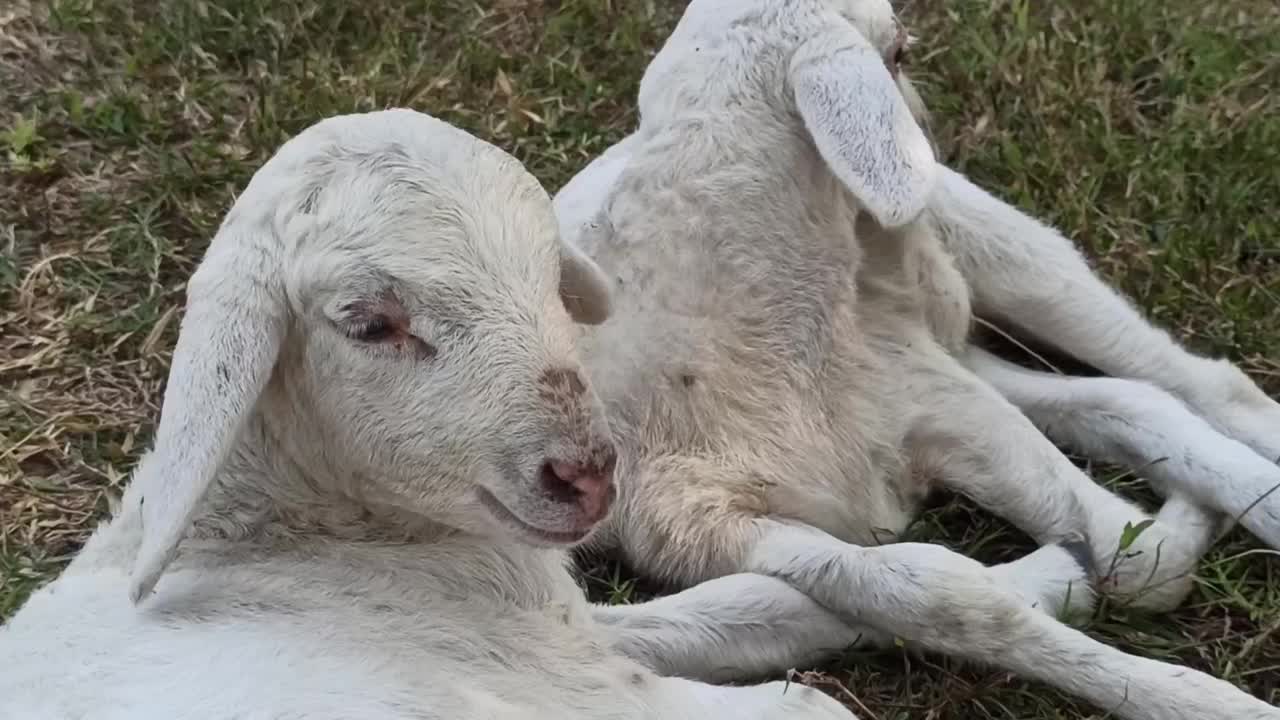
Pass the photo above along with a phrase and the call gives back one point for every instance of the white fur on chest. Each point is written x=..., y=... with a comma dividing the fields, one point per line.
x=405, y=643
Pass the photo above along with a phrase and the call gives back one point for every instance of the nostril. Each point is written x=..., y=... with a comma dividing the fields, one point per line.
x=557, y=479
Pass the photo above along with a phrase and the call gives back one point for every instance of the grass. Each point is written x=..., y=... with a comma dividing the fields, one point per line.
x=1148, y=130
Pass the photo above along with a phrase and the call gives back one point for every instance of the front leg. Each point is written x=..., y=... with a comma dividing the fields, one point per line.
x=731, y=629
x=679, y=525
x=1028, y=276
x=943, y=601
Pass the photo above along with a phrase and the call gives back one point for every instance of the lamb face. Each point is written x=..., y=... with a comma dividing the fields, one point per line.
x=433, y=352
x=396, y=289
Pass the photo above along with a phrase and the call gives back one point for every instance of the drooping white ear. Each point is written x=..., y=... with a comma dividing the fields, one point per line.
x=584, y=288
x=861, y=124
x=227, y=346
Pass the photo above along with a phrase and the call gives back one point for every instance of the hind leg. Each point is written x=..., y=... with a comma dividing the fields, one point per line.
x=1028, y=276
x=1134, y=424
x=975, y=442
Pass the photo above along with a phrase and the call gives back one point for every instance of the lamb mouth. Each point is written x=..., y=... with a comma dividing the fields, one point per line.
x=503, y=513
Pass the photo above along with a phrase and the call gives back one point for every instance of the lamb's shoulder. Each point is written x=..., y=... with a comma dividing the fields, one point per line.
x=702, y=286
x=909, y=282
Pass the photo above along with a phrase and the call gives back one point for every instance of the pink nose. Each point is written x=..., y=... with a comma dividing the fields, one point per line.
x=590, y=487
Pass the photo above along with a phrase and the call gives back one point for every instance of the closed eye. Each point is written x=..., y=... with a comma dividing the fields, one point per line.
x=381, y=320
x=373, y=330
x=383, y=332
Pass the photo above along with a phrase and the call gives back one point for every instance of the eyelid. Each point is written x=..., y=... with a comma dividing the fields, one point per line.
x=396, y=340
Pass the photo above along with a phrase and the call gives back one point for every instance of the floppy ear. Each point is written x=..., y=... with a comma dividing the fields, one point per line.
x=584, y=289
x=230, y=336
x=861, y=124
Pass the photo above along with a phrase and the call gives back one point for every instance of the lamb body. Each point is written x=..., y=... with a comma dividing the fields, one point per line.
x=788, y=372
x=375, y=448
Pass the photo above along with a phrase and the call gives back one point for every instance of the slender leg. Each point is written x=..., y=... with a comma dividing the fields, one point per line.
x=686, y=520
x=975, y=442
x=1134, y=424
x=744, y=626
x=943, y=601
x=1028, y=276
x=926, y=595
x=731, y=629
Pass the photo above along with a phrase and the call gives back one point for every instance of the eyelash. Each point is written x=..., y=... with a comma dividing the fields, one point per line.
x=375, y=330
x=379, y=330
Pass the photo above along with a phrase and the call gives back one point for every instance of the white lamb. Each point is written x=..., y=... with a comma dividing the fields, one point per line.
x=375, y=445
x=788, y=372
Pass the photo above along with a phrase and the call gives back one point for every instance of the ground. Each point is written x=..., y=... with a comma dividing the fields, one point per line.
x=1148, y=130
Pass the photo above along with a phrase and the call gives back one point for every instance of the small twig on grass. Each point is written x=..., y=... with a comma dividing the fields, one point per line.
x=1021, y=345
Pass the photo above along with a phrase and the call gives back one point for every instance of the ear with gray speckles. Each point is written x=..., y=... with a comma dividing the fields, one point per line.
x=230, y=337
x=861, y=124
